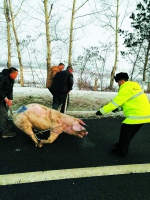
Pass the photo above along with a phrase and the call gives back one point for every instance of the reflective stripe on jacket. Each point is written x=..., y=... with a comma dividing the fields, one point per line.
x=133, y=101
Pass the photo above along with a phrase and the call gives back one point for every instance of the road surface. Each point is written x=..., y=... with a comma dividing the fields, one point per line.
x=72, y=168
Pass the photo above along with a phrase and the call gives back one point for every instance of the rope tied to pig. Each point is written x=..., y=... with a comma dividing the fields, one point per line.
x=10, y=109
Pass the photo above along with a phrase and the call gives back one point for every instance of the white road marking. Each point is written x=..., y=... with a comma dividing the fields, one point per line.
x=38, y=176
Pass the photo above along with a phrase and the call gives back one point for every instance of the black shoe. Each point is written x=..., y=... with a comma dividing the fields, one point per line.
x=117, y=152
x=9, y=134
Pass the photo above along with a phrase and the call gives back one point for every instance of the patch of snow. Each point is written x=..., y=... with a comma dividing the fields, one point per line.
x=105, y=96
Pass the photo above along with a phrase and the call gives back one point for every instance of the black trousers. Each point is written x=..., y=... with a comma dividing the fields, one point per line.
x=127, y=132
x=60, y=99
x=4, y=124
x=50, y=90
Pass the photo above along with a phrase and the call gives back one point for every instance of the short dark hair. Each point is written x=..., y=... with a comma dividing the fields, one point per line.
x=121, y=76
x=69, y=68
x=12, y=69
x=61, y=63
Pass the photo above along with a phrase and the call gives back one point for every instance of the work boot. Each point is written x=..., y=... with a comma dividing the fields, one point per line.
x=8, y=134
x=117, y=152
x=117, y=145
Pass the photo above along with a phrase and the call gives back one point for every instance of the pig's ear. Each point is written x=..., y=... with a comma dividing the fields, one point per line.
x=77, y=127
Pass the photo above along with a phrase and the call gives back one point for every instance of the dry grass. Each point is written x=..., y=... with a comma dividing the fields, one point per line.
x=87, y=101
x=76, y=102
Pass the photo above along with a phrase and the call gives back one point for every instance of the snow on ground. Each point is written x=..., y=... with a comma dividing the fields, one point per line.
x=105, y=96
x=44, y=91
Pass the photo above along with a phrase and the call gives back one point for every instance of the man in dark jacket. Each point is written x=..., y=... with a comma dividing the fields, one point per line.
x=61, y=86
x=7, y=77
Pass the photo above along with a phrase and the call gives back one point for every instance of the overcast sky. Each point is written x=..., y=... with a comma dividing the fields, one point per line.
x=91, y=37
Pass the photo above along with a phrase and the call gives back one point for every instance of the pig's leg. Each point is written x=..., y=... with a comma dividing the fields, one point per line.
x=24, y=124
x=51, y=138
x=28, y=131
x=39, y=144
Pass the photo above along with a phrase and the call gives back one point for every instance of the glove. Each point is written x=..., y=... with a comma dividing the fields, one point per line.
x=98, y=113
x=116, y=110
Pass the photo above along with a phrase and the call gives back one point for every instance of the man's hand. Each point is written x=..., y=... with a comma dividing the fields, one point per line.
x=117, y=109
x=8, y=102
x=98, y=113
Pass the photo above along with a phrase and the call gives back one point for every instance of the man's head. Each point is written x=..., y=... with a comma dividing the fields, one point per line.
x=61, y=66
x=70, y=69
x=121, y=77
x=13, y=73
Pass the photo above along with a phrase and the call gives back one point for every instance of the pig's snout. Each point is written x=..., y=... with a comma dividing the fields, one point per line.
x=79, y=130
x=81, y=134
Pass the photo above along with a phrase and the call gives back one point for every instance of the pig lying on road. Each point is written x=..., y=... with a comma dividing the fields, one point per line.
x=39, y=117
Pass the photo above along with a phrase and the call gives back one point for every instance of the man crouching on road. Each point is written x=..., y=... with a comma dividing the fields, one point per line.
x=7, y=77
x=136, y=108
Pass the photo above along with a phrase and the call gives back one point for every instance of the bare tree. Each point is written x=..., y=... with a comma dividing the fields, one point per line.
x=140, y=23
x=116, y=46
x=111, y=19
x=74, y=11
x=17, y=40
x=48, y=41
x=7, y=17
x=71, y=34
x=95, y=56
x=134, y=51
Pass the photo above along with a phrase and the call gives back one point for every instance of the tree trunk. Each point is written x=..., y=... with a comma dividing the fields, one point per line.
x=71, y=34
x=145, y=65
x=48, y=41
x=17, y=44
x=7, y=16
x=148, y=86
x=133, y=68
x=146, y=61
x=116, y=48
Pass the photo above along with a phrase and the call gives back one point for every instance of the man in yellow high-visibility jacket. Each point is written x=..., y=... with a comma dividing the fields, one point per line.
x=135, y=105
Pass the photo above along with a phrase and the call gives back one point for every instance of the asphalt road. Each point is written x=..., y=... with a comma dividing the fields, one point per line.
x=19, y=155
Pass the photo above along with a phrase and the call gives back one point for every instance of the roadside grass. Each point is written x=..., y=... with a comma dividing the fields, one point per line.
x=77, y=103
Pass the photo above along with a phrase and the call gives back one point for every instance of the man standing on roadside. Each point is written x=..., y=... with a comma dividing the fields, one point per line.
x=61, y=86
x=52, y=73
x=7, y=77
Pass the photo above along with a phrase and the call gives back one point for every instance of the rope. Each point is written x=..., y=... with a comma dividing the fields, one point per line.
x=10, y=109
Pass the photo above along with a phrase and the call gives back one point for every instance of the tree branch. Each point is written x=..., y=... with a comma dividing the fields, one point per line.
x=81, y=5
x=50, y=10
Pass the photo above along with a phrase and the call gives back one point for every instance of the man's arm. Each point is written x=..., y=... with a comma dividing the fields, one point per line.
x=119, y=100
x=70, y=82
x=2, y=83
x=54, y=72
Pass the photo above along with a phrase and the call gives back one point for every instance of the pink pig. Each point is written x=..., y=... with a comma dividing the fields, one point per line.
x=39, y=117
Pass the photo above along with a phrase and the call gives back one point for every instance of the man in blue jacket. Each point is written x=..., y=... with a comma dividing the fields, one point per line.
x=7, y=77
x=61, y=86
